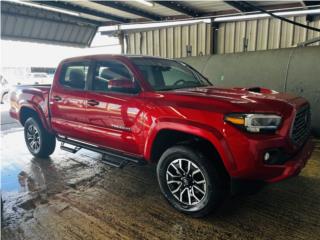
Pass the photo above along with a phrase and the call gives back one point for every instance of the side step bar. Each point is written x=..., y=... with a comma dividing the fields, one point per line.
x=114, y=161
x=108, y=157
x=72, y=150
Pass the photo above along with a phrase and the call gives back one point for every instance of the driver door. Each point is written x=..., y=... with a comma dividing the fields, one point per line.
x=115, y=108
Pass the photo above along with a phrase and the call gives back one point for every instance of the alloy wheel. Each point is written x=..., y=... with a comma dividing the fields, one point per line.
x=186, y=181
x=33, y=138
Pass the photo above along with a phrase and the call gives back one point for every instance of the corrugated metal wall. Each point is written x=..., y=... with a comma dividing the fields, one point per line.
x=172, y=42
x=263, y=34
x=232, y=37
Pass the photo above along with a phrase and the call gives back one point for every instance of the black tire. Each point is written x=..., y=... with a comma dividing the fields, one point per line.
x=3, y=97
x=46, y=140
x=216, y=183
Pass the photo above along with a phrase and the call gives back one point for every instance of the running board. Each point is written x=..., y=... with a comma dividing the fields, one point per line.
x=108, y=157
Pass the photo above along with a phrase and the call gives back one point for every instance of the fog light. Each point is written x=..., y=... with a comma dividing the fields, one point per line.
x=275, y=156
x=266, y=156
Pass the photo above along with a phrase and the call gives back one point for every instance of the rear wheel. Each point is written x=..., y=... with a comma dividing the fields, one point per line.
x=190, y=181
x=39, y=141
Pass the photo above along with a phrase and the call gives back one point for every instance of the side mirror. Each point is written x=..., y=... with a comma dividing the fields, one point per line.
x=122, y=85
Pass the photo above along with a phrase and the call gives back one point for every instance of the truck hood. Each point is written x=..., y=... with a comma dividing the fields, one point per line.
x=243, y=99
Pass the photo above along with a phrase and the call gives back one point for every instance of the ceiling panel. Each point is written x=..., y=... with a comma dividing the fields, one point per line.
x=24, y=23
x=209, y=6
x=78, y=26
x=155, y=9
x=101, y=8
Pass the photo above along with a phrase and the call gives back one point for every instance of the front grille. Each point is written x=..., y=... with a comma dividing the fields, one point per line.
x=301, y=126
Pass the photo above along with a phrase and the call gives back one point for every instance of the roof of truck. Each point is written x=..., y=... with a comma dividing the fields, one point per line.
x=101, y=56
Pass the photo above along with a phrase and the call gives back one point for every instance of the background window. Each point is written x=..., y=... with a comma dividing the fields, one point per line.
x=75, y=76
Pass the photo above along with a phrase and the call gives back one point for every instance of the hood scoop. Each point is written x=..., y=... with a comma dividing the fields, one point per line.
x=258, y=90
x=254, y=89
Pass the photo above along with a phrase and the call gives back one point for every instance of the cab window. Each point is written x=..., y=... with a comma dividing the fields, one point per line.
x=75, y=76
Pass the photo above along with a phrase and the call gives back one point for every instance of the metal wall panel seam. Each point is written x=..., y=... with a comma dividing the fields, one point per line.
x=267, y=34
x=167, y=41
x=22, y=28
x=280, y=31
x=256, y=36
x=14, y=25
x=64, y=30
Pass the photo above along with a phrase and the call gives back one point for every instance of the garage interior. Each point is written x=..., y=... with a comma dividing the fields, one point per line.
x=271, y=44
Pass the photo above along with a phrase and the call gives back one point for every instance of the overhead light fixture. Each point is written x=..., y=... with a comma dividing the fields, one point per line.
x=144, y=2
x=44, y=7
x=142, y=26
x=264, y=15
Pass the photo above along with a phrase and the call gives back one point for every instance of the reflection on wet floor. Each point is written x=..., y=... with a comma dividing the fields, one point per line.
x=74, y=196
x=26, y=180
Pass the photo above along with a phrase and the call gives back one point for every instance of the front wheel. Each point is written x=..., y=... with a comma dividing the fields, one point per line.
x=39, y=141
x=190, y=181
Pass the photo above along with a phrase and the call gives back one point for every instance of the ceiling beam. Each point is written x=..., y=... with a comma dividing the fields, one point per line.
x=79, y=9
x=303, y=4
x=310, y=3
x=239, y=6
x=129, y=9
x=283, y=18
x=180, y=7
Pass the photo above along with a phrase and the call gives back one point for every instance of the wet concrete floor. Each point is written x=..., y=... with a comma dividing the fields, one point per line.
x=74, y=196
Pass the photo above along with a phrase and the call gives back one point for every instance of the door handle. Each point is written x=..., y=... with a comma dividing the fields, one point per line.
x=92, y=102
x=57, y=98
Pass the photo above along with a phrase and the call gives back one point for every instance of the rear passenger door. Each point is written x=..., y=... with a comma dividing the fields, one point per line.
x=67, y=100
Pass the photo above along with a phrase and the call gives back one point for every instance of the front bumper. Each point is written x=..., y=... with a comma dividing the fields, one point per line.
x=294, y=165
x=258, y=170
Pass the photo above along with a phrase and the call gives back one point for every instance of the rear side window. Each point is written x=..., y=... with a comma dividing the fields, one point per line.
x=75, y=76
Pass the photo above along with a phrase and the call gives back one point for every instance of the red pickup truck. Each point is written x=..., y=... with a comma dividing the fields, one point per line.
x=135, y=109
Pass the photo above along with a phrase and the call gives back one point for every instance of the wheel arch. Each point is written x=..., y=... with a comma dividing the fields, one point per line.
x=205, y=138
x=27, y=111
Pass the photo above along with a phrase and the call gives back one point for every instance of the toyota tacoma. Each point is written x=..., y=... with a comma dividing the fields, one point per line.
x=136, y=109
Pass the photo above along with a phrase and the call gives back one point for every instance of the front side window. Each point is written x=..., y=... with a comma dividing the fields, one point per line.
x=163, y=74
x=75, y=76
x=113, y=77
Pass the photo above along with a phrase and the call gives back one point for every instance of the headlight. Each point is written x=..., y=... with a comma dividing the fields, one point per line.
x=255, y=122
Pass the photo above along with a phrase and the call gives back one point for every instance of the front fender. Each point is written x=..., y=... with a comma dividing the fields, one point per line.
x=206, y=132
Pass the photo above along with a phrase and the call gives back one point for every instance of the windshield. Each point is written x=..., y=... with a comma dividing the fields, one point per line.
x=163, y=74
